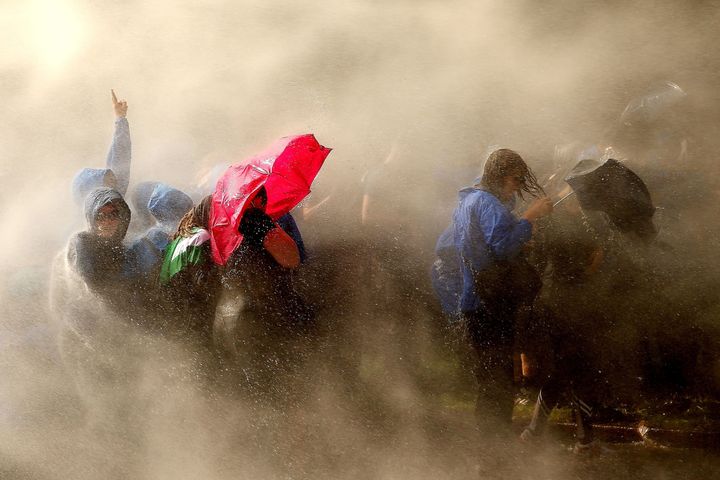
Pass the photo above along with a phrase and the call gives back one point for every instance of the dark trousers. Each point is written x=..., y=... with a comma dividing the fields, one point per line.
x=491, y=331
x=569, y=373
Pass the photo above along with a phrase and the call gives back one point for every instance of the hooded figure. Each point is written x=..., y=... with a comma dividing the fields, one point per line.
x=98, y=340
x=86, y=293
x=167, y=205
x=97, y=254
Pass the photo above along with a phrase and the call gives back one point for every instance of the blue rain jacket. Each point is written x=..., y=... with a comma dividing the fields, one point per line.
x=483, y=231
x=167, y=205
x=116, y=174
x=446, y=274
x=99, y=261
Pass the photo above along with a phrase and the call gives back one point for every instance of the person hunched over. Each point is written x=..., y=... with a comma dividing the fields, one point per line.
x=491, y=279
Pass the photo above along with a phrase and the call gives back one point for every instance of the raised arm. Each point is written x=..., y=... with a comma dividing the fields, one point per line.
x=118, y=158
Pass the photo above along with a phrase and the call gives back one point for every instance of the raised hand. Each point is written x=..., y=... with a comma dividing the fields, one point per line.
x=120, y=107
x=539, y=208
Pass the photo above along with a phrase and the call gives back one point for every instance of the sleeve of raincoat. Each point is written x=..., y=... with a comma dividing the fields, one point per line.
x=287, y=223
x=98, y=266
x=118, y=157
x=504, y=234
x=83, y=259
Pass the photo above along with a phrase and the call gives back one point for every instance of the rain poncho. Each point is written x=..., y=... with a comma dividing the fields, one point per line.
x=98, y=340
x=483, y=232
x=87, y=282
x=167, y=205
x=446, y=275
x=98, y=260
x=116, y=174
x=88, y=179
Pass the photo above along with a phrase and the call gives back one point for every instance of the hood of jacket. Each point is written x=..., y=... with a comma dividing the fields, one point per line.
x=100, y=197
x=168, y=204
x=464, y=192
x=88, y=179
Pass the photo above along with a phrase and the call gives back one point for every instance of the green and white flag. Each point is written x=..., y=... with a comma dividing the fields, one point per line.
x=184, y=251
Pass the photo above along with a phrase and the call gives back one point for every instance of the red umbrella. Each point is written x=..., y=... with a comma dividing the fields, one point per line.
x=286, y=170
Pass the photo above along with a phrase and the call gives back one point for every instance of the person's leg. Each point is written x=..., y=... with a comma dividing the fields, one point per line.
x=491, y=336
x=557, y=376
x=492, y=339
x=546, y=400
x=583, y=412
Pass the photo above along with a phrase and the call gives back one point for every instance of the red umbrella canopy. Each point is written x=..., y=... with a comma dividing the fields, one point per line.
x=286, y=170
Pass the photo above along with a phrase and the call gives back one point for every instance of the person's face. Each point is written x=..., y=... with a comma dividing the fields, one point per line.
x=511, y=185
x=107, y=221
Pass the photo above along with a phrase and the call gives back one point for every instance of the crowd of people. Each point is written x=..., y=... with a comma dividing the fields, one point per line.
x=150, y=262
x=146, y=268
x=564, y=296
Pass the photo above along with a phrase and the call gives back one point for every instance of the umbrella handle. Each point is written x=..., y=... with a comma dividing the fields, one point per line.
x=563, y=199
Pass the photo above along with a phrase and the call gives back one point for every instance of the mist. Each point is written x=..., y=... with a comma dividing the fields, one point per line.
x=435, y=84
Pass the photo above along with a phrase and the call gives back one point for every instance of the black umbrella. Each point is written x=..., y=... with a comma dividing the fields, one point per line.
x=613, y=188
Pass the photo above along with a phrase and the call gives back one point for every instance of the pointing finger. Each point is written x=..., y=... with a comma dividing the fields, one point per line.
x=114, y=98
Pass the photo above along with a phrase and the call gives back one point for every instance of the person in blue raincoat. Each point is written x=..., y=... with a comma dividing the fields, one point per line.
x=89, y=296
x=97, y=254
x=88, y=290
x=116, y=174
x=167, y=206
x=446, y=275
x=482, y=279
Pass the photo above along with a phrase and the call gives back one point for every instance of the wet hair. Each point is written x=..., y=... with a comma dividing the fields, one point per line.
x=196, y=217
x=505, y=162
